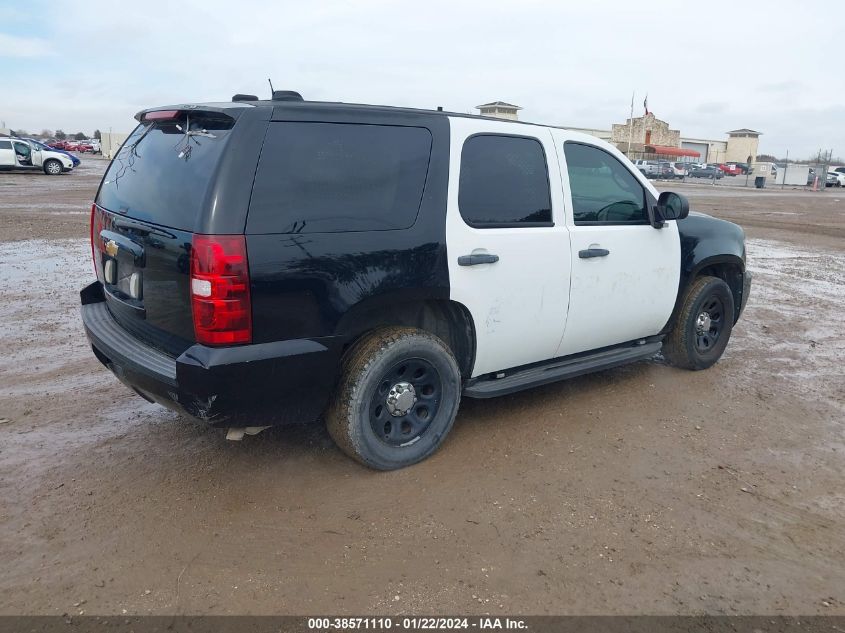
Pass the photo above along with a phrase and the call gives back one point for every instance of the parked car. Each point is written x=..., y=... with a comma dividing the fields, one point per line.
x=730, y=169
x=744, y=168
x=84, y=146
x=36, y=143
x=310, y=260
x=679, y=169
x=665, y=170
x=649, y=168
x=831, y=179
x=811, y=176
x=840, y=177
x=68, y=146
x=709, y=171
x=17, y=154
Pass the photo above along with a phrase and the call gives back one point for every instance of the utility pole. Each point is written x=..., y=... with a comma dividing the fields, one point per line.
x=785, y=170
x=631, y=126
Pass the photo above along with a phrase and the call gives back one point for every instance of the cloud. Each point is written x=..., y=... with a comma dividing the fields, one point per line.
x=25, y=47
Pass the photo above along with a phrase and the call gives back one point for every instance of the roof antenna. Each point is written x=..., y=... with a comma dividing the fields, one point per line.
x=270, y=81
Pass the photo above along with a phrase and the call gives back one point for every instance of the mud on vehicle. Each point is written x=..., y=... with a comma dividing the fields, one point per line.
x=270, y=262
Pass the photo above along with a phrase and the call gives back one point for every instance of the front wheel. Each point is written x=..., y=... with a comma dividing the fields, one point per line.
x=397, y=398
x=703, y=325
x=52, y=167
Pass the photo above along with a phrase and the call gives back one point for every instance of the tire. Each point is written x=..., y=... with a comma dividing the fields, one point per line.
x=366, y=418
x=698, y=341
x=52, y=167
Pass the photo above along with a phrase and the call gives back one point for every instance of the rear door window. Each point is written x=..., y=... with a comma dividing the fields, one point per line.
x=162, y=175
x=504, y=182
x=332, y=177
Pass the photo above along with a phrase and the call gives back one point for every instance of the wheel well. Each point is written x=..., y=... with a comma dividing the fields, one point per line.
x=450, y=321
x=731, y=274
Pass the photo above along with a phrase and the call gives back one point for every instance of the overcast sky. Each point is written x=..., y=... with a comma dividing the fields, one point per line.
x=708, y=67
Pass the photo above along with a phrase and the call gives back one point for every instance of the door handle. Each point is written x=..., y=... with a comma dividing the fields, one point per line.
x=593, y=252
x=478, y=258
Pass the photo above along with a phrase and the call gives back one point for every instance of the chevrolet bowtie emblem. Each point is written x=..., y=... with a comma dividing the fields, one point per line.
x=111, y=248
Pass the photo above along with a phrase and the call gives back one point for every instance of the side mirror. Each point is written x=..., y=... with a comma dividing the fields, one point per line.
x=670, y=206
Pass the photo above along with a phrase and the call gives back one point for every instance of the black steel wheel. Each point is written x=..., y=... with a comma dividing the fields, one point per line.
x=397, y=398
x=405, y=402
x=703, y=325
x=709, y=324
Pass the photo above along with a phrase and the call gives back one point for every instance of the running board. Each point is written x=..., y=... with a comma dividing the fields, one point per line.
x=559, y=370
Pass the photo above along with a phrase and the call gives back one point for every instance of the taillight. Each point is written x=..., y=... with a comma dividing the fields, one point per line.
x=220, y=290
x=96, y=242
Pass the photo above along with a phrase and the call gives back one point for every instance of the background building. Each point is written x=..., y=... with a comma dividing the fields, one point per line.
x=110, y=142
x=499, y=109
x=644, y=130
x=742, y=145
x=650, y=137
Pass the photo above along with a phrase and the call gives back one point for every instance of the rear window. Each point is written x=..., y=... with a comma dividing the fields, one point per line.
x=332, y=177
x=162, y=174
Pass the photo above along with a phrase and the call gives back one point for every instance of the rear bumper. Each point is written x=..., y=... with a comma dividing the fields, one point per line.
x=249, y=385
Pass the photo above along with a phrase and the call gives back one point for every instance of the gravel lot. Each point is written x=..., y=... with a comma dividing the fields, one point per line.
x=643, y=489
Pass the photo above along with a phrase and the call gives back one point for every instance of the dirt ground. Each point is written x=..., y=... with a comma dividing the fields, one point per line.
x=643, y=489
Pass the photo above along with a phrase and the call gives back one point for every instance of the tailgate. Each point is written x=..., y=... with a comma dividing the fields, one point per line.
x=161, y=189
x=145, y=272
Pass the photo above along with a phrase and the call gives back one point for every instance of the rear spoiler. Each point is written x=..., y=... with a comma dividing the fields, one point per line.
x=208, y=110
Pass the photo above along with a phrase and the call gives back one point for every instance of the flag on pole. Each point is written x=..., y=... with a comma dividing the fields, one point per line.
x=645, y=103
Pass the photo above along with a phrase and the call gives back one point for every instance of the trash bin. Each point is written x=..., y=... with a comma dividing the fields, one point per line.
x=759, y=181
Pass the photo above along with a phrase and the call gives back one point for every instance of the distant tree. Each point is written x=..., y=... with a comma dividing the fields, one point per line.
x=19, y=133
x=60, y=135
x=97, y=135
x=45, y=133
x=766, y=158
x=79, y=136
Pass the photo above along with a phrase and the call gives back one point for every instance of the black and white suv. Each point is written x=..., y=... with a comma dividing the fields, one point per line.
x=266, y=262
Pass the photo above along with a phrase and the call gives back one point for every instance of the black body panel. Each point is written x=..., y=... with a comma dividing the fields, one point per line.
x=162, y=256
x=710, y=242
x=320, y=284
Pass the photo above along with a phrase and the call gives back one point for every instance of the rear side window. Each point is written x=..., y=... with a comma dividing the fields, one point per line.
x=332, y=177
x=504, y=182
x=162, y=175
x=603, y=190
x=5, y=145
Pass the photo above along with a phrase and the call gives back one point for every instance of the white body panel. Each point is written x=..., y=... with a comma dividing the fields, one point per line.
x=628, y=294
x=44, y=155
x=7, y=155
x=518, y=304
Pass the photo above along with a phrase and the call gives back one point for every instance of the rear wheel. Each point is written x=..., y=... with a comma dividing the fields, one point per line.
x=52, y=167
x=703, y=325
x=397, y=398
